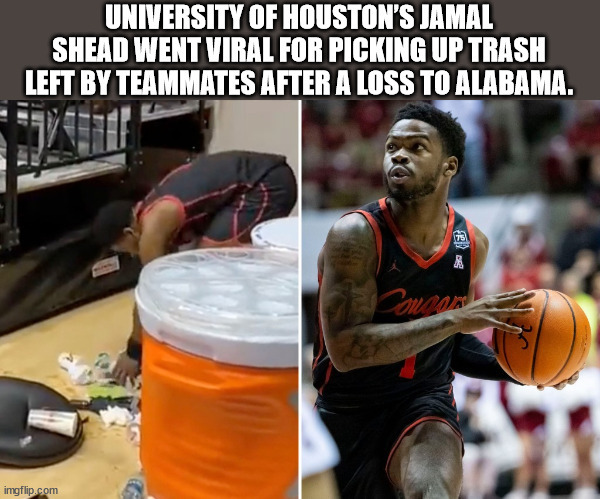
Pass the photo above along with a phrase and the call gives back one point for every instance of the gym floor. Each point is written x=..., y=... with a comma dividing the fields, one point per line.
x=106, y=459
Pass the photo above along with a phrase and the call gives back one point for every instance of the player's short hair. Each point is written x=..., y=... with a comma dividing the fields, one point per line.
x=451, y=132
x=110, y=222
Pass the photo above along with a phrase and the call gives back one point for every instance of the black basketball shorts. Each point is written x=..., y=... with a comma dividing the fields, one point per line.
x=367, y=438
x=273, y=197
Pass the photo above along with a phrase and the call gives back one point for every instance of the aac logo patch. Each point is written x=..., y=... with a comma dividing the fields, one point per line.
x=458, y=263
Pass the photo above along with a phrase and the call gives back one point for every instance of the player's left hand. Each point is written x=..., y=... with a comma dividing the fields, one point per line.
x=561, y=385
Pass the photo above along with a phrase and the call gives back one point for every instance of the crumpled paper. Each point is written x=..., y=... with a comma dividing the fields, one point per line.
x=133, y=430
x=80, y=374
x=118, y=416
x=103, y=367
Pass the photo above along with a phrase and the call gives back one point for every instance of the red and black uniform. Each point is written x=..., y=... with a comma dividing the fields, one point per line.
x=369, y=410
x=223, y=196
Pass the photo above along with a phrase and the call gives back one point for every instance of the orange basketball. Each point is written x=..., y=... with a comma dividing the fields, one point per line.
x=554, y=343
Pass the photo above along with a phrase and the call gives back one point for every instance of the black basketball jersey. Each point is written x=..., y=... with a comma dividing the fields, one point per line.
x=408, y=288
x=202, y=188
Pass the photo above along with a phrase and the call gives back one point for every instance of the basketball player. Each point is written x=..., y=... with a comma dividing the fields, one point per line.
x=397, y=315
x=214, y=201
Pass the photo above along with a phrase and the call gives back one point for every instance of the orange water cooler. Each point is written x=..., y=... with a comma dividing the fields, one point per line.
x=220, y=374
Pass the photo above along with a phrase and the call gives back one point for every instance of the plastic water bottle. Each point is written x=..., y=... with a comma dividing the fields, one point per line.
x=134, y=488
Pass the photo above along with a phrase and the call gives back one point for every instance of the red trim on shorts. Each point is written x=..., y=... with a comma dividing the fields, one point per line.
x=236, y=215
x=413, y=255
x=258, y=218
x=213, y=194
x=406, y=430
x=235, y=236
x=473, y=241
x=194, y=218
x=377, y=231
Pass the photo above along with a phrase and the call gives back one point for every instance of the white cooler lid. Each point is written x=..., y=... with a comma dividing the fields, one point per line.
x=277, y=233
x=236, y=305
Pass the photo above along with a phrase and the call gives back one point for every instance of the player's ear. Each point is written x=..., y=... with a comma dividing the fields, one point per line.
x=451, y=166
x=130, y=231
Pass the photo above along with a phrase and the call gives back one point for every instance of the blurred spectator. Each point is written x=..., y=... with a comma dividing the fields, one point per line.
x=593, y=187
x=573, y=158
x=583, y=137
x=523, y=254
x=572, y=285
x=582, y=234
x=595, y=288
x=527, y=407
x=556, y=165
x=585, y=265
x=579, y=398
x=370, y=115
x=541, y=118
x=480, y=474
x=507, y=138
x=527, y=237
x=473, y=178
x=520, y=271
x=312, y=161
x=312, y=147
x=547, y=276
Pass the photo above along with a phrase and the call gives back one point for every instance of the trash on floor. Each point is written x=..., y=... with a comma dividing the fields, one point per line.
x=115, y=416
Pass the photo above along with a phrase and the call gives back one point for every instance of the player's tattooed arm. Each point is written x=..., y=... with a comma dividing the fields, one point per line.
x=348, y=298
x=349, y=292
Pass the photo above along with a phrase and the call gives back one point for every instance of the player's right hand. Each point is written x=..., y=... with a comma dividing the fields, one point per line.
x=494, y=311
x=125, y=368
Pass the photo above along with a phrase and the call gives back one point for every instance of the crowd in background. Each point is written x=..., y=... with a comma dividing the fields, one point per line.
x=553, y=145
x=573, y=269
x=548, y=147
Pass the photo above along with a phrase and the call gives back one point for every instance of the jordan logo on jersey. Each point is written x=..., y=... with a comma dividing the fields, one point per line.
x=458, y=263
x=394, y=267
x=461, y=241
